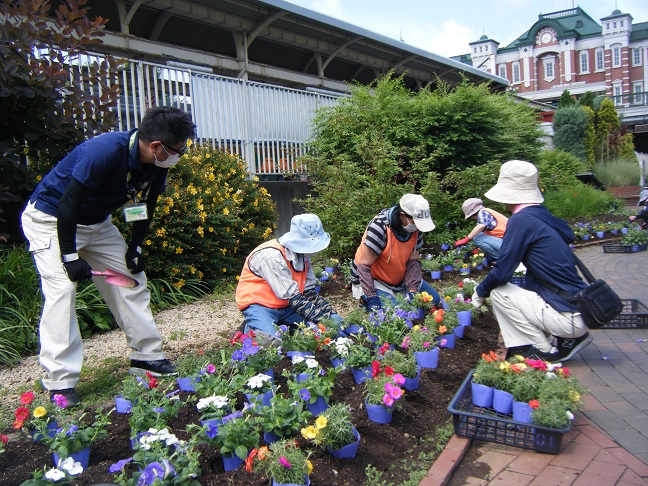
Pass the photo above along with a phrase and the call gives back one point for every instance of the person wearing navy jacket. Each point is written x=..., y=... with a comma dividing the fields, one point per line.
x=68, y=225
x=530, y=317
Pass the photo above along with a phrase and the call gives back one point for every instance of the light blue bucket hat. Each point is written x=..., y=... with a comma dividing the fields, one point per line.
x=306, y=235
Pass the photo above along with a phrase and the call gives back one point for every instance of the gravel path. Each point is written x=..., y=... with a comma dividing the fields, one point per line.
x=201, y=324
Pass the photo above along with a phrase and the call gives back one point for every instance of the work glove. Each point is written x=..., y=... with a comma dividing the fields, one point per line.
x=476, y=300
x=134, y=260
x=373, y=303
x=78, y=270
x=461, y=242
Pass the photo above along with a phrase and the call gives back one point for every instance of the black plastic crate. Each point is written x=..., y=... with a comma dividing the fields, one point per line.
x=634, y=315
x=619, y=248
x=488, y=425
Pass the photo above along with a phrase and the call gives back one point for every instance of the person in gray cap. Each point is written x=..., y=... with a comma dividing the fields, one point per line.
x=387, y=261
x=277, y=284
x=643, y=214
x=489, y=230
x=528, y=317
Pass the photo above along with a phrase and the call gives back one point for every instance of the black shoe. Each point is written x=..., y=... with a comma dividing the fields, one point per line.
x=531, y=352
x=516, y=351
x=160, y=367
x=69, y=394
x=568, y=347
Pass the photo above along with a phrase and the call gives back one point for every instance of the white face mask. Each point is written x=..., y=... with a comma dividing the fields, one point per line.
x=410, y=228
x=170, y=161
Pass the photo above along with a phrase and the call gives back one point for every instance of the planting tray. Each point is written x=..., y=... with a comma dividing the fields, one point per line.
x=619, y=248
x=486, y=424
x=634, y=315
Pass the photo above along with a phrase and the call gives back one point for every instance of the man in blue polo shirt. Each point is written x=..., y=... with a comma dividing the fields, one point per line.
x=68, y=225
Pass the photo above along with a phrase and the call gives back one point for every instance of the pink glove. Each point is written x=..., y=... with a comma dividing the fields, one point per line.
x=461, y=242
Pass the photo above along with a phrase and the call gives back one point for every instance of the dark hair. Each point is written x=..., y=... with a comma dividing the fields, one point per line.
x=167, y=124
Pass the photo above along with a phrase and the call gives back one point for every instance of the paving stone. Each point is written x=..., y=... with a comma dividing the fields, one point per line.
x=630, y=440
x=530, y=463
x=510, y=477
x=555, y=476
x=600, y=473
x=631, y=477
x=598, y=437
x=637, y=378
x=575, y=456
x=607, y=420
x=625, y=410
x=639, y=399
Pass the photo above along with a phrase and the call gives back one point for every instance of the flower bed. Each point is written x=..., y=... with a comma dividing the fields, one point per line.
x=423, y=410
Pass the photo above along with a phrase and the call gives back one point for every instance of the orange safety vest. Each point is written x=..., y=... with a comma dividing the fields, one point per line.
x=391, y=264
x=500, y=229
x=253, y=289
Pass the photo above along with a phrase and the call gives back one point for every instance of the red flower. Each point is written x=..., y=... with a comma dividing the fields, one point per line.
x=4, y=439
x=26, y=398
x=389, y=371
x=22, y=414
x=460, y=285
x=565, y=371
x=153, y=382
x=375, y=368
x=534, y=404
x=18, y=424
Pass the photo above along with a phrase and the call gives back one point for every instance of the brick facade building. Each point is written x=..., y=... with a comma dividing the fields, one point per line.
x=570, y=50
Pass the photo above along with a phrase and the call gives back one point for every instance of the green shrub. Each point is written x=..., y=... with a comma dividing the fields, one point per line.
x=558, y=169
x=579, y=201
x=618, y=173
x=385, y=141
x=208, y=220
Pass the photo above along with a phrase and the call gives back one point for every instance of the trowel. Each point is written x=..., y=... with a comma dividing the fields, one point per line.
x=113, y=277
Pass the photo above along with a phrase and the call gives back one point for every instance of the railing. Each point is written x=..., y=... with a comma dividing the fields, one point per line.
x=268, y=126
x=634, y=99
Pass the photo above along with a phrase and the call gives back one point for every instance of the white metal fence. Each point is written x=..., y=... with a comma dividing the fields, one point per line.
x=268, y=126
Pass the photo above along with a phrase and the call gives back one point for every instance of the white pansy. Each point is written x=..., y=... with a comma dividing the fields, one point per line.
x=570, y=415
x=297, y=359
x=258, y=381
x=72, y=466
x=54, y=474
x=215, y=401
x=312, y=363
x=551, y=375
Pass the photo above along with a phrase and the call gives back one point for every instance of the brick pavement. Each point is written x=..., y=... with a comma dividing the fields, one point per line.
x=608, y=442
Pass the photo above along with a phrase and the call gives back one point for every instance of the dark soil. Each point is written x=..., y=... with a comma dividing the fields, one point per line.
x=397, y=449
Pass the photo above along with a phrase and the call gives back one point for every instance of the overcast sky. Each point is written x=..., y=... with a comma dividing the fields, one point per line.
x=446, y=27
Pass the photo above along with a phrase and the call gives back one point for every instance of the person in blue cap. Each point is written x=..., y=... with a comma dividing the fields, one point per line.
x=277, y=283
x=68, y=224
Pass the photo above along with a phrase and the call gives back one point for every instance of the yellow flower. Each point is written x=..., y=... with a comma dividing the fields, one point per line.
x=574, y=396
x=211, y=229
x=179, y=284
x=225, y=211
x=207, y=156
x=148, y=242
x=178, y=250
x=189, y=142
x=224, y=270
x=416, y=328
x=309, y=432
x=321, y=422
x=161, y=232
x=201, y=231
x=40, y=412
x=309, y=467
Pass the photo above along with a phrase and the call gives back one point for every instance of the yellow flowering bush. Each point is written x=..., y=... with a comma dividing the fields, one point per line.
x=208, y=219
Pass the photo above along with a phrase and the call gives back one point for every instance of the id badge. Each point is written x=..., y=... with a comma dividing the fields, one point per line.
x=135, y=212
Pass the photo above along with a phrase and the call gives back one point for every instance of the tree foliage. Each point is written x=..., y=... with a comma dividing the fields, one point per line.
x=385, y=141
x=566, y=100
x=47, y=107
x=570, y=125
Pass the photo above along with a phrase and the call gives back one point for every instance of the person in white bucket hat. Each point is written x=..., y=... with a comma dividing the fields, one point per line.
x=489, y=230
x=530, y=317
x=277, y=284
x=387, y=261
x=643, y=214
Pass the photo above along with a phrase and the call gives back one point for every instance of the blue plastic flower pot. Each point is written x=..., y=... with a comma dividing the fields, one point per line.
x=318, y=406
x=303, y=354
x=600, y=234
x=231, y=461
x=82, y=457
x=412, y=384
x=464, y=271
x=464, y=317
x=448, y=268
x=329, y=270
x=447, y=340
x=427, y=359
x=270, y=373
x=435, y=274
x=338, y=362
x=123, y=405
x=270, y=437
x=360, y=375
x=260, y=399
x=482, y=395
x=445, y=246
x=502, y=402
x=459, y=332
x=348, y=451
x=522, y=412
x=624, y=231
x=379, y=413
x=301, y=377
x=52, y=427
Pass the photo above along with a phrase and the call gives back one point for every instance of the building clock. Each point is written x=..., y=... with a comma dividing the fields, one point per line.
x=546, y=36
